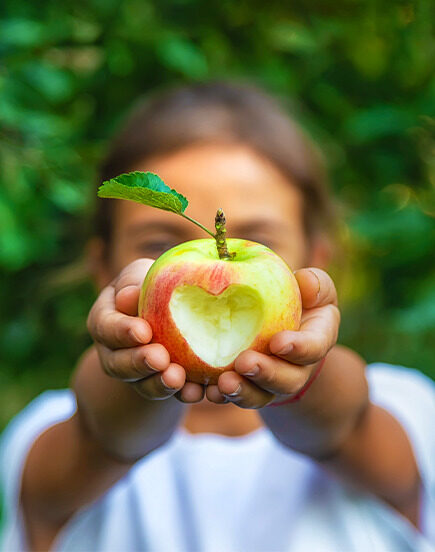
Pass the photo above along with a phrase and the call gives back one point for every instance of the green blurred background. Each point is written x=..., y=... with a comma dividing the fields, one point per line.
x=361, y=78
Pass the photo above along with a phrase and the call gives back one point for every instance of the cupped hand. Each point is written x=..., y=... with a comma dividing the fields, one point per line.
x=123, y=341
x=259, y=379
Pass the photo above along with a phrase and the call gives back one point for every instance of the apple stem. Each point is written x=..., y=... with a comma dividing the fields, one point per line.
x=198, y=224
x=221, y=242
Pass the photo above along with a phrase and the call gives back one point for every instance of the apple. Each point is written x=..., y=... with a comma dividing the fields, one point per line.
x=206, y=308
x=208, y=300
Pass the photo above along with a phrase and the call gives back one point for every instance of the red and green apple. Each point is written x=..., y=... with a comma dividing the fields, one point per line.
x=206, y=310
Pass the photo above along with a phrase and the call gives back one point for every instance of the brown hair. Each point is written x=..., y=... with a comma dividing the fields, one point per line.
x=219, y=112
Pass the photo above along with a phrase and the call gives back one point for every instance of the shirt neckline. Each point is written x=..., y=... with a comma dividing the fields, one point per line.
x=253, y=436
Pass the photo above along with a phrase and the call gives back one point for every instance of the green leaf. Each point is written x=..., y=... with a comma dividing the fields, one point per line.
x=146, y=188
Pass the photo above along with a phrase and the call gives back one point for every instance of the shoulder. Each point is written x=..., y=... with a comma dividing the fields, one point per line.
x=389, y=383
x=409, y=396
x=50, y=406
x=47, y=409
x=407, y=393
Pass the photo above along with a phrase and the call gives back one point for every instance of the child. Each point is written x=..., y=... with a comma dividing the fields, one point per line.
x=289, y=451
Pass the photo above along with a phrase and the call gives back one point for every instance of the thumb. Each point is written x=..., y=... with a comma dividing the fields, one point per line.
x=128, y=285
x=317, y=288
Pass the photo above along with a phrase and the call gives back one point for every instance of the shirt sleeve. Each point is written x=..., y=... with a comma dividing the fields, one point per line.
x=410, y=397
x=46, y=410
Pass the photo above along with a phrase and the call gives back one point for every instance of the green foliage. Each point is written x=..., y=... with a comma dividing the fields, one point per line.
x=360, y=75
x=146, y=188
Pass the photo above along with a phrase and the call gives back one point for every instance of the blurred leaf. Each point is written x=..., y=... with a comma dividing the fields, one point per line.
x=183, y=56
x=420, y=317
x=377, y=122
x=54, y=84
x=291, y=37
x=13, y=241
x=21, y=32
x=19, y=338
x=120, y=59
x=370, y=55
x=67, y=197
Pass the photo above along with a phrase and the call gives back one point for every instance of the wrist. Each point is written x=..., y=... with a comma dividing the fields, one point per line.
x=115, y=416
x=323, y=418
x=298, y=396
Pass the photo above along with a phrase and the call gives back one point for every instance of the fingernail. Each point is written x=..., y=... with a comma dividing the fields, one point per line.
x=166, y=386
x=148, y=365
x=285, y=350
x=318, y=283
x=130, y=286
x=136, y=335
x=234, y=393
x=254, y=371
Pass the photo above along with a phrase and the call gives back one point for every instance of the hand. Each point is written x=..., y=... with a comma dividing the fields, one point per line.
x=123, y=341
x=258, y=379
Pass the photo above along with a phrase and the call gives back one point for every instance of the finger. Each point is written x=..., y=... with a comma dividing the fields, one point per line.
x=134, y=363
x=191, y=393
x=317, y=335
x=270, y=373
x=162, y=386
x=127, y=300
x=242, y=392
x=114, y=329
x=214, y=395
x=128, y=284
x=317, y=288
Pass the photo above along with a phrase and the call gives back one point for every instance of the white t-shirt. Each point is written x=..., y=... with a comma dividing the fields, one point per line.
x=210, y=493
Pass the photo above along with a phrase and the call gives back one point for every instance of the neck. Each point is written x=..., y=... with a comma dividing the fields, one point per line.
x=227, y=419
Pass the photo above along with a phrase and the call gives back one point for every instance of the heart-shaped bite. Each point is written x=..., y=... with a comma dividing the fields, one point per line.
x=217, y=327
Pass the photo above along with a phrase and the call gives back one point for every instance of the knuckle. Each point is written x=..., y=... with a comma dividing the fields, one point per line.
x=136, y=362
x=302, y=348
x=98, y=329
x=121, y=331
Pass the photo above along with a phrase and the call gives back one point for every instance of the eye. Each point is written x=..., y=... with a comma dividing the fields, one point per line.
x=154, y=248
x=263, y=239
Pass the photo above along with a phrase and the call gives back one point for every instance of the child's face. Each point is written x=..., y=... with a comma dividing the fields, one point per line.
x=260, y=205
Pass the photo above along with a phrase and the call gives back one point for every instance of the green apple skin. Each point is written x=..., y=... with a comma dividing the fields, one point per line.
x=196, y=263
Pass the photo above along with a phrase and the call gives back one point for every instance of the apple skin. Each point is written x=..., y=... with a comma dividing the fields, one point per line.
x=196, y=263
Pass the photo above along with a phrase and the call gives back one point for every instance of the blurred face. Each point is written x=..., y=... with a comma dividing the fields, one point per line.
x=260, y=205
